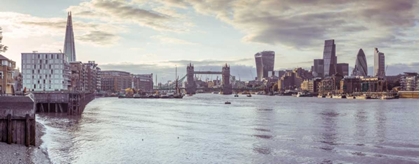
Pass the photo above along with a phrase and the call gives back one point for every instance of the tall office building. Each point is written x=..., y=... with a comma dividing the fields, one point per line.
x=330, y=60
x=343, y=69
x=360, y=69
x=318, y=68
x=379, y=64
x=45, y=71
x=69, y=49
x=264, y=62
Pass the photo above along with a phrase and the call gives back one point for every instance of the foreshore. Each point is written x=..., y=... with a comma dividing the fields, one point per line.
x=15, y=153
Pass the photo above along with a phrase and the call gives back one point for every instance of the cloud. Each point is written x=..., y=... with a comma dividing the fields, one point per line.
x=170, y=40
x=158, y=18
x=19, y=25
x=304, y=24
x=210, y=62
x=99, y=37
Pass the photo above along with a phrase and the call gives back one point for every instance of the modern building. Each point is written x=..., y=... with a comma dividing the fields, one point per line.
x=265, y=63
x=318, y=68
x=7, y=68
x=115, y=81
x=330, y=59
x=45, y=71
x=410, y=81
x=379, y=64
x=143, y=82
x=360, y=68
x=69, y=48
x=343, y=69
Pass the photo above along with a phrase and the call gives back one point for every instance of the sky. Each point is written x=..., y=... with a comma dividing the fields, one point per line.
x=155, y=36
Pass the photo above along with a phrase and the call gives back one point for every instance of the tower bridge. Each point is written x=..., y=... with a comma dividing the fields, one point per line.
x=191, y=86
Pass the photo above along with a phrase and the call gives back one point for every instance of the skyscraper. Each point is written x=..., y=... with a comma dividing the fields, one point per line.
x=360, y=69
x=318, y=68
x=343, y=69
x=264, y=62
x=379, y=64
x=69, y=49
x=330, y=60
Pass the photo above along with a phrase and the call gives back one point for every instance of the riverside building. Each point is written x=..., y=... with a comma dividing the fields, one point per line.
x=143, y=82
x=45, y=71
x=115, y=81
x=7, y=68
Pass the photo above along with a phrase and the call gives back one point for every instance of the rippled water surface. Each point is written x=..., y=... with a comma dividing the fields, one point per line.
x=260, y=129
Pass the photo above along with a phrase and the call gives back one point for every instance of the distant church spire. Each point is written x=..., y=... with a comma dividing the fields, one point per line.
x=69, y=49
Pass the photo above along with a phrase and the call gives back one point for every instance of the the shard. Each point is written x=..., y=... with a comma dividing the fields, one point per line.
x=69, y=49
x=360, y=69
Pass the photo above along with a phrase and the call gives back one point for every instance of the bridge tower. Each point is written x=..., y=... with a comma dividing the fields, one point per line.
x=190, y=87
x=226, y=86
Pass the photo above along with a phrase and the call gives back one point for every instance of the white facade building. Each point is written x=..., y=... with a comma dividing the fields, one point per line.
x=45, y=71
x=379, y=64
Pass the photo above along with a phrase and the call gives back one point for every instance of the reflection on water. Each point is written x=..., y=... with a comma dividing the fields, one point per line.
x=261, y=129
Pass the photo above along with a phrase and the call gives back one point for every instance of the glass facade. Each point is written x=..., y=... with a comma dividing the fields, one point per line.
x=330, y=60
x=360, y=69
x=265, y=63
x=69, y=49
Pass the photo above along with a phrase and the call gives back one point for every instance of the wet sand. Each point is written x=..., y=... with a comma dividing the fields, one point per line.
x=15, y=153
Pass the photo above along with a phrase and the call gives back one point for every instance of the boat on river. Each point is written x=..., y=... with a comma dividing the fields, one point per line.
x=303, y=94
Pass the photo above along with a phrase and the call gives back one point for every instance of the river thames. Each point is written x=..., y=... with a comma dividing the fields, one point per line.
x=258, y=129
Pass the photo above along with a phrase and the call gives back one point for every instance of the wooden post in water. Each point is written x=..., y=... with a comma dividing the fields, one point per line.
x=27, y=131
x=9, y=129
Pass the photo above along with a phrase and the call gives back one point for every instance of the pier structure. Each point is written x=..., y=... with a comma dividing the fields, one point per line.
x=72, y=103
x=17, y=120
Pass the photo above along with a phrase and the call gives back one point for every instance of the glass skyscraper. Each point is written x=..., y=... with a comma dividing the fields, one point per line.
x=69, y=49
x=318, y=68
x=330, y=60
x=265, y=63
x=360, y=69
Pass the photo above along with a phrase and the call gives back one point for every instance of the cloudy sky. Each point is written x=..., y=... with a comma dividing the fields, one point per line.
x=152, y=36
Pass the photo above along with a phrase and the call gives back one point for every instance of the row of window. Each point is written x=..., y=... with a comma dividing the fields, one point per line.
x=40, y=86
x=43, y=56
x=29, y=61
x=42, y=71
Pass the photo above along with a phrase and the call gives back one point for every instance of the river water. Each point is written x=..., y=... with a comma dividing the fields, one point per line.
x=260, y=129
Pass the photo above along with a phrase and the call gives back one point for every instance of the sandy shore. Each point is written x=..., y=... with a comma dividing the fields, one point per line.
x=15, y=153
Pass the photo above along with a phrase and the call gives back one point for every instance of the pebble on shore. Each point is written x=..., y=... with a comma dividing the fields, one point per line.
x=18, y=154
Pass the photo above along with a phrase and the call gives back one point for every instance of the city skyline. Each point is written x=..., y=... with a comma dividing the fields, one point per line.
x=133, y=40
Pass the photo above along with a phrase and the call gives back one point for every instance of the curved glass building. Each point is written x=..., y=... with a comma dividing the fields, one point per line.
x=360, y=69
x=264, y=62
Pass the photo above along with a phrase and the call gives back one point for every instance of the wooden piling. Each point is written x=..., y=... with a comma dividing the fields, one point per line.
x=27, y=131
x=9, y=129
